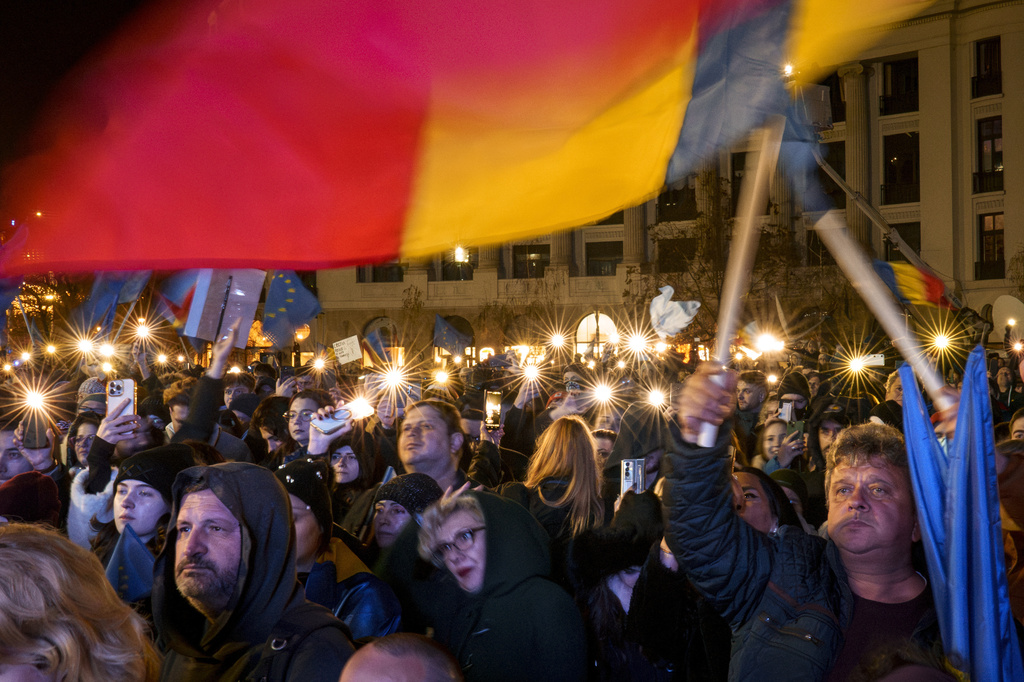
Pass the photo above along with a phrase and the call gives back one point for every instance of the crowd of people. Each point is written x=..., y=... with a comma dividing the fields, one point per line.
x=260, y=526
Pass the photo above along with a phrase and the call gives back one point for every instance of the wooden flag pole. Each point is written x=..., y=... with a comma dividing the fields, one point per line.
x=850, y=257
x=743, y=248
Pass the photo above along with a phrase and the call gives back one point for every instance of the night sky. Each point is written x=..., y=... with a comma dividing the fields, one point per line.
x=40, y=42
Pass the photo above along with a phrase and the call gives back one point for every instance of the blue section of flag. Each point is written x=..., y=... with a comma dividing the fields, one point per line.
x=134, y=283
x=373, y=345
x=448, y=337
x=958, y=513
x=737, y=86
x=130, y=569
x=9, y=289
x=888, y=275
x=289, y=306
x=174, y=296
x=101, y=306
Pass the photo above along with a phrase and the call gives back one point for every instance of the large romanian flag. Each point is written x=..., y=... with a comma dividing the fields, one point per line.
x=306, y=134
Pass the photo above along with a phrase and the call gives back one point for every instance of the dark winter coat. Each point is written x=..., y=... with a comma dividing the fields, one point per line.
x=520, y=625
x=786, y=598
x=269, y=630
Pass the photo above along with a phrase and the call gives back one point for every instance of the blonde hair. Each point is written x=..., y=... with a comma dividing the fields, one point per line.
x=59, y=613
x=438, y=513
x=567, y=450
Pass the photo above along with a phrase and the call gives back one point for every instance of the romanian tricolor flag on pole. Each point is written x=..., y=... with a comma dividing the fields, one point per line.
x=305, y=134
x=912, y=285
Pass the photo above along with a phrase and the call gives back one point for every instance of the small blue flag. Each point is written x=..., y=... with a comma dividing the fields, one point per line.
x=134, y=284
x=448, y=337
x=373, y=345
x=958, y=512
x=101, y=306
x=130, y=569
x=289, y=306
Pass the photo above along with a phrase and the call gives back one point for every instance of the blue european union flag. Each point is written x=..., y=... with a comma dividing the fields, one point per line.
x=448, y=337
x=958, y=513
x=101, y=306
x=130, y=569
x=289, y=306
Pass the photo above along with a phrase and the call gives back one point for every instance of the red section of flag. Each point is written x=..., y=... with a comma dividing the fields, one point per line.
x=282, y=134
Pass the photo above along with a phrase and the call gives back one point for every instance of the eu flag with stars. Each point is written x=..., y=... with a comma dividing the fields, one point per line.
x=289, y=306
x=448, y=337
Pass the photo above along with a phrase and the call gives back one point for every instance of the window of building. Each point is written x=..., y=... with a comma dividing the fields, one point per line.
x=602, y=257
x=990, y=264
x=902, y=157
x=385, y=272
x=458, y=264
x=988, y=78
x=529, y=260
x=899, y=87
x=989, y=177
x=911, y=234
x=674, y=255
x=678, y=204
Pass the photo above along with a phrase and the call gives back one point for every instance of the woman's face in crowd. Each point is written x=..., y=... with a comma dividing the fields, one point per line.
x=773, y=436
x=345, y=464
x=83, y=440
x=388, y=522
x=298, y=425
x=140, y=506
x=752, y=504
x=307, y=531
x=467, y=565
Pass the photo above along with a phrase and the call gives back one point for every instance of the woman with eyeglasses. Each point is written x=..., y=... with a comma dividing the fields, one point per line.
x=301, y=410
x=490, y=601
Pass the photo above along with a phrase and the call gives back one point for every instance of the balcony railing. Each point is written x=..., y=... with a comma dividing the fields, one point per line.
x=903, y=193
x=897, y=104
x=990, y=181
x=990, y=270
x=989, y=84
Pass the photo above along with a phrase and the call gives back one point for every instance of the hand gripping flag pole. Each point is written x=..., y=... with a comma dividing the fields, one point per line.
x=743, y=248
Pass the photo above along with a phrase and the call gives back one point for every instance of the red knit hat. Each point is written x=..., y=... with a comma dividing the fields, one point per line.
x=30, y=497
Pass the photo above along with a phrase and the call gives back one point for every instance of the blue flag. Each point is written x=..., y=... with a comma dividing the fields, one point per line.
x=958, y=513
x=448, y=337
x=174, y=297
x=289, y=306
x=101, y=306
x=134, y=283
x=373, y=345
x=130, y=569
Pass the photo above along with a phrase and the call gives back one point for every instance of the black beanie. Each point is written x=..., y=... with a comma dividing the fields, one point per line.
x=157, y=467
x=309, y=480
x=415, y=492
x=598, y=553
x=245, y=403
x=794, y=382
x=792, y=480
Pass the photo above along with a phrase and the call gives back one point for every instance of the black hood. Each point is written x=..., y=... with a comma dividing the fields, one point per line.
x=267, y=584
x=517, y=549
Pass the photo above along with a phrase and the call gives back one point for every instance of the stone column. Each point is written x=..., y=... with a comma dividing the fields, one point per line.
x=858, y=147
x=634, y=238
x=489, y=257
x=561, y=248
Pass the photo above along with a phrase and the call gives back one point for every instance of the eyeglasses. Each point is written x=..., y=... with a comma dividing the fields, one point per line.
x=85, y=441
x=346, y=457
x=462, y=541
x=304, y=416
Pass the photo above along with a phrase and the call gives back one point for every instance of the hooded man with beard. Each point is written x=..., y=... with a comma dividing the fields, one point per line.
x=226, y=601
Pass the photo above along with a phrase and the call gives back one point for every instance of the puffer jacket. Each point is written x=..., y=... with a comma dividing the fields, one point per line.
x=786, y=598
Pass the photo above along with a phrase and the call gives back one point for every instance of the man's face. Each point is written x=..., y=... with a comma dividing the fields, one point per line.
x=827, y=432
x=814, y=382
x=1017, y=429
x=304, y=381
x=1003, y=378
x=748, y=396
x=232, y=392
x=207, y=552
x=604, y=448
x=179, y=413
x=424, y=443
x=12, y=462
x=871, y=509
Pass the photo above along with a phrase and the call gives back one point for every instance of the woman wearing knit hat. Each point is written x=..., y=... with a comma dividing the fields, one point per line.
x=400, y=499
x=331, y=573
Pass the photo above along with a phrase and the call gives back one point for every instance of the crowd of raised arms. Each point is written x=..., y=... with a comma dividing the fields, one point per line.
x=191, y=523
